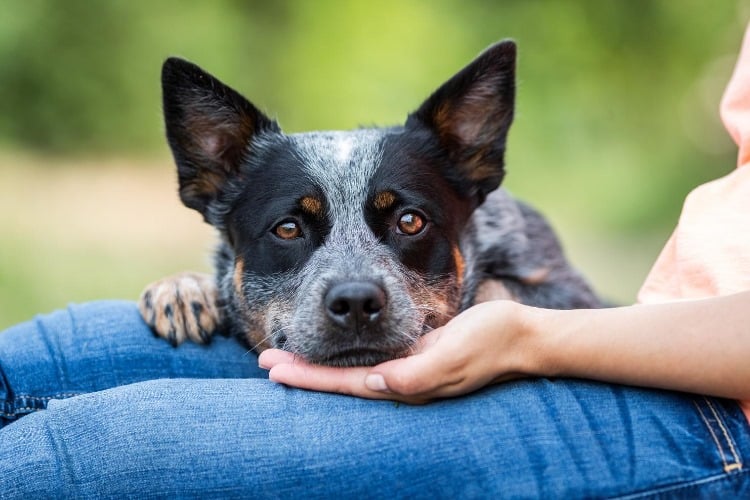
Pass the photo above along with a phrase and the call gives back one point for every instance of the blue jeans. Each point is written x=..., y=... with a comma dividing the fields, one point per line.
x=122, y=413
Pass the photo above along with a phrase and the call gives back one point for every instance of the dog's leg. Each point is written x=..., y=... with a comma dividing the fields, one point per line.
x=180, y=307
x=493, y=289
x=514, y=254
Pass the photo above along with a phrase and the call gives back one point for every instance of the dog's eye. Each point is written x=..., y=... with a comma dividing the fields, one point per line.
x=410, y=224
x=288, y=230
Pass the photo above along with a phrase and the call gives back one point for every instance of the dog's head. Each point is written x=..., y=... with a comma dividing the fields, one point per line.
x=345, y=245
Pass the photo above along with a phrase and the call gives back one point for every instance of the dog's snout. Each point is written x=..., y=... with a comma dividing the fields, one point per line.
x=355, y=304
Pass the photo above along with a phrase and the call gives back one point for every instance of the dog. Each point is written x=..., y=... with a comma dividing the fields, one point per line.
x=345, y=247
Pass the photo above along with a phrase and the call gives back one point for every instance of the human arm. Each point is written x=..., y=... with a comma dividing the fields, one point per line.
x=700, y=346
x=697, y=346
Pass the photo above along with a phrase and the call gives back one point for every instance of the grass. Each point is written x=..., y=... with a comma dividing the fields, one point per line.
x=74, y=231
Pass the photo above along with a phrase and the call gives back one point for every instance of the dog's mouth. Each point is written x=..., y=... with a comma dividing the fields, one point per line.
x=345, y=356
x=358, y=357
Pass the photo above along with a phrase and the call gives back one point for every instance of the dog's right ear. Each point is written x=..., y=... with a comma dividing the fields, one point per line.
x=209, y=129
x=470, y=115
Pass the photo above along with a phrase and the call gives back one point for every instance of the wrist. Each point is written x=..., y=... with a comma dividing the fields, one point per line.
x=540, y=347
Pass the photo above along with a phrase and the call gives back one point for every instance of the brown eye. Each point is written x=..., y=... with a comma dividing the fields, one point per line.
x=288, y=230
x=410, y=224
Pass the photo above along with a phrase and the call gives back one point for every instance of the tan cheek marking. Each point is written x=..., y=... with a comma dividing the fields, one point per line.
x=311, y=205
x=460, y=265
x=492, y=290
x=239, y=269
x=256, y=337
x=384, y=200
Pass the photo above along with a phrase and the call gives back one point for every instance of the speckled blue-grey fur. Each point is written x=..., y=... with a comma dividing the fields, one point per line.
x=345, y=195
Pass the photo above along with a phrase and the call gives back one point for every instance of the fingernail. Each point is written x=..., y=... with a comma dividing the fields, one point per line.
x=262, y=362
x=376, y=382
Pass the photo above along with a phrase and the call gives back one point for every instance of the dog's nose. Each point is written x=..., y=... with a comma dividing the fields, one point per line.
x=355, y=304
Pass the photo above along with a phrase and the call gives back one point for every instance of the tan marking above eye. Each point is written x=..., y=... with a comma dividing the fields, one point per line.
x=311, y=205
x=410, y=224
x=384, y=200
x=288, y=230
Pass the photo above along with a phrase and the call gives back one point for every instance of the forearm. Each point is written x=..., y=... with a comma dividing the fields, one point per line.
x=695, y=346
x=701, y=347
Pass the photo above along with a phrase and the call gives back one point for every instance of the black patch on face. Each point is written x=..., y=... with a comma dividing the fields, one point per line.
x=271, y=192
x=414, y=169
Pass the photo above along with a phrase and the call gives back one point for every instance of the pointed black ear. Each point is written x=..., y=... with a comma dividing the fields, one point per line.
x=209, y=129
x=471, y=113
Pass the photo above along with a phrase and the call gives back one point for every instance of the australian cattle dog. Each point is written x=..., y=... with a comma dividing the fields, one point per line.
x=345, y=247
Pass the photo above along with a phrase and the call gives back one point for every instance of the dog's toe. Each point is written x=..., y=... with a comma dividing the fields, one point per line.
x=199, y=308
x=181, y=307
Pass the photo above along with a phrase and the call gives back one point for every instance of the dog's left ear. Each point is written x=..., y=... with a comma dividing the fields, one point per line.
x=471, y=113
x=209, y=129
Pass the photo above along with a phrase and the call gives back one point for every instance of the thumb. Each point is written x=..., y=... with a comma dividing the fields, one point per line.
x=410, y=376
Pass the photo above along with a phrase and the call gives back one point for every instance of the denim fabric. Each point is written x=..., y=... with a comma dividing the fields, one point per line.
x=248, y=437
x=97, y=346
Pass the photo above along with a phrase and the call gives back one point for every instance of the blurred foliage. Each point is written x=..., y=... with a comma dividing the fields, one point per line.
x=617, y=109
x=617, y=94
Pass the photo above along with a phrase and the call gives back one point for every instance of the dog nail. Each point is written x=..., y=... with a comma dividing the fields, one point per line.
x=172, y=338
x=204, y=335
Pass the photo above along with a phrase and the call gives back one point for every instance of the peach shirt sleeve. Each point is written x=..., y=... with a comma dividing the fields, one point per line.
x=709, y=252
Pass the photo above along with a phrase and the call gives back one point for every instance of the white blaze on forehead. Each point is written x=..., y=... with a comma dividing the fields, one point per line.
x=343, y=149
x=342, y=165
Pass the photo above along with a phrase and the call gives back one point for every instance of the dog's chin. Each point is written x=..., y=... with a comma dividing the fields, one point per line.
x=356, y=357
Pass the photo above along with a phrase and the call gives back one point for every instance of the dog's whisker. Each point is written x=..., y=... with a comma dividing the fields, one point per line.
x=263, y=341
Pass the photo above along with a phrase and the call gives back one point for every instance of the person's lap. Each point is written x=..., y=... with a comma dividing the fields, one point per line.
x=96, y=346
x=224, y=432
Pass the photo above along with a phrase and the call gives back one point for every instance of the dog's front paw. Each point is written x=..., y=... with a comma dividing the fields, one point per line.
x=181, y=307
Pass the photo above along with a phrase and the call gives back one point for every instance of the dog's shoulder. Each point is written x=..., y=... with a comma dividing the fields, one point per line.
x=512, y=244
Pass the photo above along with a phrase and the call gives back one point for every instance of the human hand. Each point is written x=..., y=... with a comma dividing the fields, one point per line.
x=483, y=345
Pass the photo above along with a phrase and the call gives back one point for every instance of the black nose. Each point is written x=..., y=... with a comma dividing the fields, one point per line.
x=355, y=304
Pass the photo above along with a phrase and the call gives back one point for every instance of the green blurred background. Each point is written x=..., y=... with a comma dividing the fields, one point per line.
x=617, y=118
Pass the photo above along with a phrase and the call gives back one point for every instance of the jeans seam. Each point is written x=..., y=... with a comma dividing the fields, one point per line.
x=733, y=465
x=62, y=395
x=713, y=434
x=10, y=411
x=673, y=488
x=62, y=456
x=737, y=461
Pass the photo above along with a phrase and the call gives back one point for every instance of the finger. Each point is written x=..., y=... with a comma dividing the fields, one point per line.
x=350, y=381
x=320, y=378
x=413, y=380
x=271, y=357
x=437, y=369
x=421, y=375
x=427, y=340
